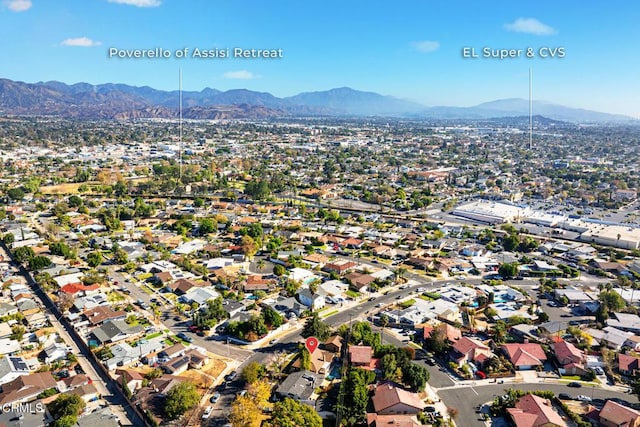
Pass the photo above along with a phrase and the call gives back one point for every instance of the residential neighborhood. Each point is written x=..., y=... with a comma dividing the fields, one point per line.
x=438, y=297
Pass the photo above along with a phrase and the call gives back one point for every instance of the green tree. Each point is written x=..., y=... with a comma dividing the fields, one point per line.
x=272, y=318
x=75, y=201
x=511, y=242
x=291, y=413
x=279, y=270
x=315, y=327
x=180, y=399
x=415, y=376
x=66, y=405
x=438, y=342
x=8, y=239
x=125, y=387
x=355, y=394
x=15, y=194
x=60, y=249
x=66, y=421
x=23, y=254
x=508, y=270
x=253, y=372
x=207, y=226
x=120, y=257
x=39, y=262
x=389, y=367
x=612, y=300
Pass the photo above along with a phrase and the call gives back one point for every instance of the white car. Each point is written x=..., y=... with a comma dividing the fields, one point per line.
x=583, y=398
x=207, y=412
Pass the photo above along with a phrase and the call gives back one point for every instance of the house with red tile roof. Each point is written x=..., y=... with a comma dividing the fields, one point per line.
x=628, y=365
x=352, y=243
x=470, y=350
x=389, y=399
x=182, y=286
x=258, y=283
x=375, y=420
x=360, y=355
x=535, y=411
x=98, y=315
x=452, y=333
x=360, y=282
x=614, y=414
x=524, y=356
x=339, y=267
x=568, y=353
x=571, y=359
x=79, y=289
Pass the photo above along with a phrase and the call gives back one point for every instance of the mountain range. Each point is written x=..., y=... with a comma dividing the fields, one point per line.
x=123, y=102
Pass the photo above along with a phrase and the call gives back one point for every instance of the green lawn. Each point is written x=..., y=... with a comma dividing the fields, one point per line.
x=146, y=289
x=155, y=335
x=331, y=313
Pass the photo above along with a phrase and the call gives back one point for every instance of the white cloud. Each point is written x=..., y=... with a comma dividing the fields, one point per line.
x=81, y=42
x=18, y=5
x=530, y=26
x=138, y=3
x=426, y=46
x=240, y=75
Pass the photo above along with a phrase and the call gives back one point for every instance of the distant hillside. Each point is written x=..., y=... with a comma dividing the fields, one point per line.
x=121, y=101
x=348, y=101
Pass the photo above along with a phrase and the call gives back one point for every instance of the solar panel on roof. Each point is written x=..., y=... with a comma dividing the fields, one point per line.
x=18, y=363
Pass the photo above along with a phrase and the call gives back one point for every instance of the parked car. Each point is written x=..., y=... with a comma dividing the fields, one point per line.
x=207, y=413
x=574, y=384
x=583, y=398
x=565, y=396
x=215, y=398
x=184, y=337
x=231, y=376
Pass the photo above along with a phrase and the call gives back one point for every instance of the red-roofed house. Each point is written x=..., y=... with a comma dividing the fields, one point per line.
x=352, y=243
x=525, y=356
x=182, y=286
x=79, y=288
x=258, y=283
x=132, y=378
x=360, y=355
x=360, y=282
x=452, y=333
x=101, y=313
x=390, y=400
x=339, y=267
x=571, y=359
x=470, y=350
x=534, y=411
x=375, y=420
x=628, y=365
x=614, y=414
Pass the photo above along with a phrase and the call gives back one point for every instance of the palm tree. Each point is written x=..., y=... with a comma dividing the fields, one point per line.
x=384, y=322
x=471, y=315
x=400, y=273
x=260, y=264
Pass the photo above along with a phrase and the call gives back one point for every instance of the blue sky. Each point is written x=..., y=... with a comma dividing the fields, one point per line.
x=410, y=49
